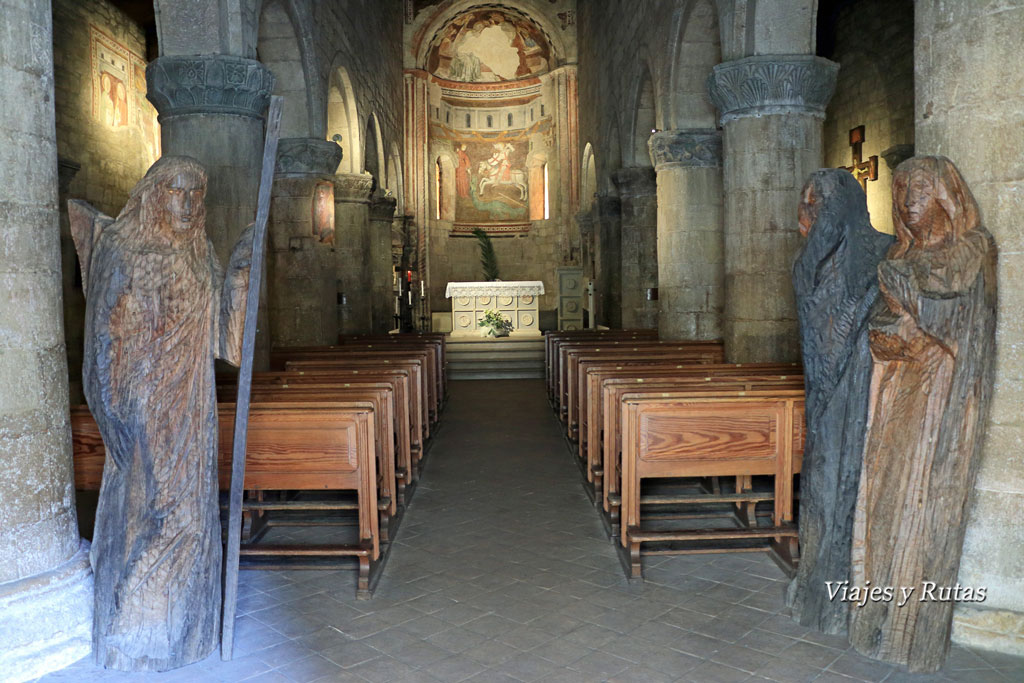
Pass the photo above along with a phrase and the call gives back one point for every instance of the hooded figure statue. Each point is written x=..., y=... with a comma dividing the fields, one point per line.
x=836, y=282
x=157, y=314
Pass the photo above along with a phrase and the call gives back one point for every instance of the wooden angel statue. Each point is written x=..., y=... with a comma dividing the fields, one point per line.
x=836, y=282
x=158, y=311
x=932, y=339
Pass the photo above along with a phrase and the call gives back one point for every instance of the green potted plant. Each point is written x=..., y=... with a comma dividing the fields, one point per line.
x=493, y=324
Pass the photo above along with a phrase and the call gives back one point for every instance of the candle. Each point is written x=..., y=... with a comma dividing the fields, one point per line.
x=410, y=297
x=422, y=290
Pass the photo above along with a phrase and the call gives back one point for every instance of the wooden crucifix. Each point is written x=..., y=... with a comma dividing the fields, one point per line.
x=863, y=171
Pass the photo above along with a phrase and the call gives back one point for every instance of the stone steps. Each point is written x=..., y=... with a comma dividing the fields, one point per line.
x=503, y=358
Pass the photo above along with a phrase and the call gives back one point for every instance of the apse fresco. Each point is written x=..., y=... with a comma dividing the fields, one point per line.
x=489, y=45
x=491, y=183
x=491, y=180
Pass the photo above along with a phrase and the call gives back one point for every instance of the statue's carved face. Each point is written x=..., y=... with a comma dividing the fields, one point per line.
x=807, y=212
x=184, y=196
x=920, y=209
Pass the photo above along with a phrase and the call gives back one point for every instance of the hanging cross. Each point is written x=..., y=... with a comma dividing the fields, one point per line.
x=863, y=171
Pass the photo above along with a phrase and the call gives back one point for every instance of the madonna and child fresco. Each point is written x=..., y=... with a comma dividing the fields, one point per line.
x=899, y=363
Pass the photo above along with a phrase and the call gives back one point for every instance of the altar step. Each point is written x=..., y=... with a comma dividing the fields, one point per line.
x=505, y=358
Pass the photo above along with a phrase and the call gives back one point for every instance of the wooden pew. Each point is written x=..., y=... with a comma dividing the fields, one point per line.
x=692, y=352
x=322, y=446
x=337, y=357
x=553, y=340
x=413, y=367
x=608, y=472
x=382, y=398
x=439, y=340
x=690, y=434
x=636, y=371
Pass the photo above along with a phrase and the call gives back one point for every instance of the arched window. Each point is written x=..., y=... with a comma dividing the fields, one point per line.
x=467, y=121
x=542, y=110
x=447, y=116
x=437, y=189
x=490, y=121
x=510, y=120
x=547, y=203
x=531, y=113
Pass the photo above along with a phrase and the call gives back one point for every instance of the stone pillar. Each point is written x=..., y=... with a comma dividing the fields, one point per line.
x=609, y=261
x=772, y=108
x=45, y=578
x=639, y=252
x=300, y=246
x=213, y=108
x=378, y=261
x=351, y=246
x=691, y=277
x=968, y=108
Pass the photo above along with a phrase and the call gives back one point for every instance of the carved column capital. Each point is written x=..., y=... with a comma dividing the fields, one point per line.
x=635, y=181
x=307, y=157
x=352, y=188
x=383, y=209
x=701, y=148
x=772, y=84
x=209, y=84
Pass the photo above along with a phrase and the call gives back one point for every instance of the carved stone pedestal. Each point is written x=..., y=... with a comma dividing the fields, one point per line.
x=516, y=301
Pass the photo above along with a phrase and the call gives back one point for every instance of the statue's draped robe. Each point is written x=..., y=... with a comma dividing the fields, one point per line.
x=933, y=345
x=151, y=326
x=836, y=283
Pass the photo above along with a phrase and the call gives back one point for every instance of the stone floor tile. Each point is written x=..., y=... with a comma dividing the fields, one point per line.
x=455, y=668
x=525, y=667
x=711, y=672
x=310, y=668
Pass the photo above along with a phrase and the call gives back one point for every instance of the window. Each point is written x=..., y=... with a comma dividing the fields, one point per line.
x=542, y=110
x=547, y=204
x=447, y=116
x=490, y=121
x=468, y=124
x=510, y=120
x=437, y=112
x=531, y=113
x=437, y=190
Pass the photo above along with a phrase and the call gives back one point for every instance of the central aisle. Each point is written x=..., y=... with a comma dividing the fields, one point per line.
x=502, y=573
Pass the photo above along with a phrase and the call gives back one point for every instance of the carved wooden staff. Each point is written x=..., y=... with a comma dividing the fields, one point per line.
x=245, y=381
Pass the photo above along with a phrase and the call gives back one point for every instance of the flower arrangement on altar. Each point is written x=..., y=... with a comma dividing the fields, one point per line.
x=494, y=324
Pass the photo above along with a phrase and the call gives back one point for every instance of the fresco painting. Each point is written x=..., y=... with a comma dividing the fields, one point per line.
x=119, y=91
x=489, y=45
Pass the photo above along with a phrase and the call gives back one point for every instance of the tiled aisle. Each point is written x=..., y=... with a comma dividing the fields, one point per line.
x=502, y=572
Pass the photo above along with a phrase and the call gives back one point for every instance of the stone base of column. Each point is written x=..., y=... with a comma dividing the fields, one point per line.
x=46, y=619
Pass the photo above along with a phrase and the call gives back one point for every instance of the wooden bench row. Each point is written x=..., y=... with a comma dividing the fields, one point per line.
x=340, y=442
x=644, y=424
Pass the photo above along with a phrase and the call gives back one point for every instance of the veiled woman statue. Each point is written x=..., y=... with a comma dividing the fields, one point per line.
x=932, y=338
x=836, y=281
x=157, y=314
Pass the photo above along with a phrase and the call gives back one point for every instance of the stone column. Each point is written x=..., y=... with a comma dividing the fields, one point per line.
x=691, y=277
x=378, y=261
x=609, y=261
x=638, y=194
x=300, y=253
x=772, y=108
x=968, y=108
x=213, y=108
x=45, y=578
x=351, y=246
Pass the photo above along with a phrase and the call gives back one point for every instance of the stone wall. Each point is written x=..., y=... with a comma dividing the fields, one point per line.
x=969, y=107
x=100, y=162
x=874, y=45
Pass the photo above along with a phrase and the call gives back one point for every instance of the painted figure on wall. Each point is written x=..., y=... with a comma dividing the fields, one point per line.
x=486, y=45
x=932, y=340
x=157, y=314
x=835, y=278
x=462, y=172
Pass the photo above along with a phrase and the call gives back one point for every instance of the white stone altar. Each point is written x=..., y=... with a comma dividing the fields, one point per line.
x=517, y=301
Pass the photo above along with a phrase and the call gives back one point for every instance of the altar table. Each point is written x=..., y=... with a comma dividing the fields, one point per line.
x=517, y=301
